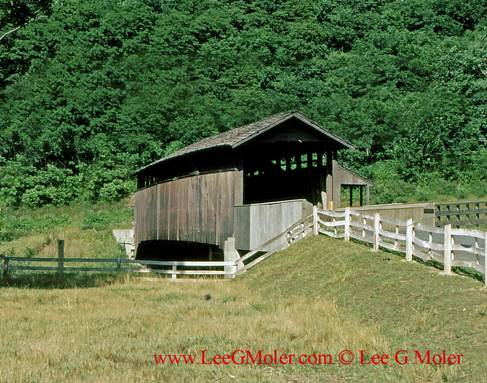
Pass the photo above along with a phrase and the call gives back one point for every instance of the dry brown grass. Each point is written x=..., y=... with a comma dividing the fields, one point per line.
x=110, y=333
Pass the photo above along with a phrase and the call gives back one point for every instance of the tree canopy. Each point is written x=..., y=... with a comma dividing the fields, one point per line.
x=91, y=90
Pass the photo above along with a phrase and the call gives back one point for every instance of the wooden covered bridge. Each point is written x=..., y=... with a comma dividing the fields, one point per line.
x=233, y=191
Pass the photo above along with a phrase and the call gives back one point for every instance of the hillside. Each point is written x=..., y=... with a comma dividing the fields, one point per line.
x=319, y=296
x=92, y=90
x=85, y=228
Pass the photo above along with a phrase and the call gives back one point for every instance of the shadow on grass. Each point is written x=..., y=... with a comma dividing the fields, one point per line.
x=465, y=271
x=62, y=281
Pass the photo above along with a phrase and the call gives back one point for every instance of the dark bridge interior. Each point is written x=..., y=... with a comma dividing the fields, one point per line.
x=274, y=176
x=180, y=250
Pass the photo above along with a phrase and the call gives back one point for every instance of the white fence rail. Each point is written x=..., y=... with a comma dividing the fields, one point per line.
x=450, y=247
x=293, y=233
x=228, y=269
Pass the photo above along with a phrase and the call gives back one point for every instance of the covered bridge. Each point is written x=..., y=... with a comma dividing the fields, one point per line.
x=243, y=185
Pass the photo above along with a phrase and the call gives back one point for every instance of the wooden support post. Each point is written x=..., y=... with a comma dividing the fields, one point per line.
x=347, y=224
x=319, y=159
x=315, y=220
x=298, y=161
x=367, y=194
x=329, y=180
x=5, y=267
x=447, y=250
x=174, y=275
x=485, y=258
x=376, y=231
x=119, y=264
x=409, y=240
x=60, y=255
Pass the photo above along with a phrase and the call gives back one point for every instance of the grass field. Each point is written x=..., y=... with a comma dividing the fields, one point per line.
x=319, y=296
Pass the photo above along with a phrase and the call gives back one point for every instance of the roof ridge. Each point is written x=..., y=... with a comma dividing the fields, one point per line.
x=239, y=135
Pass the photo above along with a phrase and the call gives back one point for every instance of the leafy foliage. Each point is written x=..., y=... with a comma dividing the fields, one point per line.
x=95, y=89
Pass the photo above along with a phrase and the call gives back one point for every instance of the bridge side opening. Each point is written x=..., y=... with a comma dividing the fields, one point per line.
x=353, y=195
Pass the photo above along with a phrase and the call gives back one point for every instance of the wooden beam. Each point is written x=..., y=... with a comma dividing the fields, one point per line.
x=310, y=159
x=319, y=159
x=329, y=180
x=298, y=161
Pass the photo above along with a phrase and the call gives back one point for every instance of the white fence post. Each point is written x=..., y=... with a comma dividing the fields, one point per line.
x=230, y=254
x=315, y=220
x=347, y=224
x=173, y=275
x=485, y=258
x=409, y=239
x=376, y=231
x=447, y=249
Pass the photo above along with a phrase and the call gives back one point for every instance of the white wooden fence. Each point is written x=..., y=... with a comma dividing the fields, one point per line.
x=450, y=247
x=228, y=269
x=447, y=246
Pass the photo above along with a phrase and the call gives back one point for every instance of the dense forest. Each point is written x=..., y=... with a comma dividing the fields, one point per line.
x=91, y=90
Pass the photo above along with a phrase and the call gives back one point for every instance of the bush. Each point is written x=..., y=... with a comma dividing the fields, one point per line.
x=95, y=220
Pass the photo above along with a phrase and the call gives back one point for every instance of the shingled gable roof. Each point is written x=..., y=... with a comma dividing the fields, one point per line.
x=238, y=136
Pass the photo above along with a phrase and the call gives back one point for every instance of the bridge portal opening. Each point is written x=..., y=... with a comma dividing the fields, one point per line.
x=275, y=176
x=180, y=250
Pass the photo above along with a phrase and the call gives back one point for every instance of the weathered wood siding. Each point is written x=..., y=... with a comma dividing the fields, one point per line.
x=343, y=176
x=193, y=209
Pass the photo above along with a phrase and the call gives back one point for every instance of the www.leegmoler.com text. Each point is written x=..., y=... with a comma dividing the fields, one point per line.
x=343, y=357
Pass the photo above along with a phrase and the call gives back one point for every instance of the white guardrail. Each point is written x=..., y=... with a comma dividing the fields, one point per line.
x=450, y=247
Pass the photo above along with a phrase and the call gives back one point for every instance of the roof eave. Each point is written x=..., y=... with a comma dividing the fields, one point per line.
x=170, y=157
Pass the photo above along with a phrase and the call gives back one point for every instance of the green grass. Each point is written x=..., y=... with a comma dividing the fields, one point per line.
x=86, y=229
x=319, y=296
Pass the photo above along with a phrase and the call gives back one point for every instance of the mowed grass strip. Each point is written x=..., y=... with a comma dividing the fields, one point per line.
x=319, y=296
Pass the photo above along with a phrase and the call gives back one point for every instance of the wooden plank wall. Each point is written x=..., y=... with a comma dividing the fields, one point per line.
x=256, y=224
x=343, y=176
x=145, y=215
x=192, y=209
